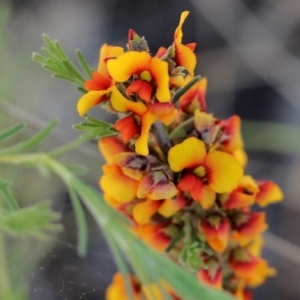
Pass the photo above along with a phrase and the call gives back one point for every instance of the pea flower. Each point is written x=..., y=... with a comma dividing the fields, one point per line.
x=204, y=173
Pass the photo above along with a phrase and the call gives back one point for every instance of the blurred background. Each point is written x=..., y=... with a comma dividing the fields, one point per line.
x=250, y=53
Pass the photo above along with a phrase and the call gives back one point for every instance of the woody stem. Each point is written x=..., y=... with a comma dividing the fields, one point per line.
x=161, y=137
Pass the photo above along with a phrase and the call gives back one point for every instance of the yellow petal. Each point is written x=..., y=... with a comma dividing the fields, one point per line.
x=178, y=32
x=208, y=197
x=185, y=57
x=121, y=104
x=141, y=144
x=117, y=185
x=127, y=64
x=223, y=171
x=107, y=51
x=142, y=212
x=171, y=206
x=159, y=71
x=89, y=100
x=110, y=147
x=188, y=154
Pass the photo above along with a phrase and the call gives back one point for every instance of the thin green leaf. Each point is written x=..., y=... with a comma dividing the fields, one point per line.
x=11, y=131
x=36, y=220
x=81, y=89
x=80, y=220
x=121, y=263
x=77, y=169
x=83, y=63
x=32, y=142
x=186, y=88
x=5, y=189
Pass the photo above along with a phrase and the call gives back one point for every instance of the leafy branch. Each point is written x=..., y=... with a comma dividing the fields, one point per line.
x=94, y=128
x=30, y=221
x=55, y=60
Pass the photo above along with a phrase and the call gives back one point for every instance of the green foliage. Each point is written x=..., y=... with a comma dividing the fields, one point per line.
x=28, y=144
x=36, y=221
x=55, y=60
x=94, y=128
x=6, y=191
x=11, y=131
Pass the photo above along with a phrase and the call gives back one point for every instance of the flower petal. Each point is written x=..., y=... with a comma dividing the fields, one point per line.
x=143, y=211
x=269, y=192
x=188, y=154
x=127, y=127
x=185, y=57
x=121, y=104
x=216, y=230
x=223, y=171
x=118, y=185
x=128, y=64
x=142, y=88
x=192, y=184
x=107, y=51
x=110, y=147
x=91, y=99
x=160, y=74
x=178, y=32
x=247, y=225
x=141, y=144
x=99, y=82
x=156, y=186
x=171, y=206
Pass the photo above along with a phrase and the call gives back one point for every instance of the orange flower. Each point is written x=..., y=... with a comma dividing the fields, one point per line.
x=101, y=83
x=154, y=235
x=216, y=230
x=150, y=71
x=206, y=173
x=247, y=225
x=117, y=289
x=148, y=115
x=194, y=98
x=183, y=55
x=233, y=141
x=213, y=274
x=252, y=269
x=242, y=196
x=123, y=174
x=269, y=192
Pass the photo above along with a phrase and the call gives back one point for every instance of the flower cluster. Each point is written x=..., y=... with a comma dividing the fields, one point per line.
x=182, y=183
